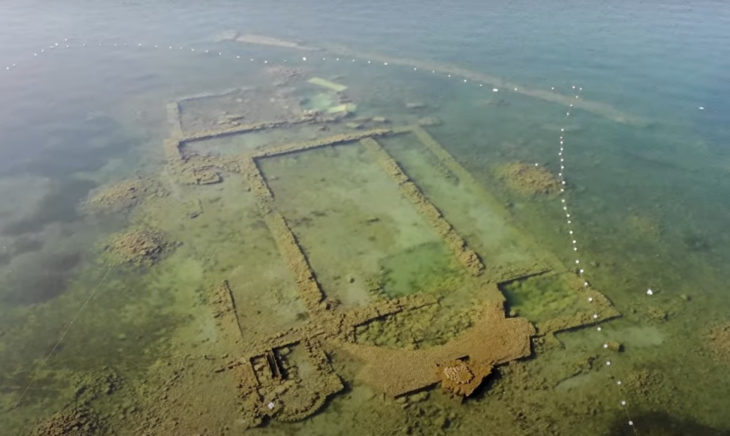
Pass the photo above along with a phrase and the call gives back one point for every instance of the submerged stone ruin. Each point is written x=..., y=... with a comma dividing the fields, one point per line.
x=121, y=196
x=289, y=375
x=137, y=246
x=528, y=179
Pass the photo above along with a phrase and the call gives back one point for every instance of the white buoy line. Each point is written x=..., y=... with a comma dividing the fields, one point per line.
x=580, y=267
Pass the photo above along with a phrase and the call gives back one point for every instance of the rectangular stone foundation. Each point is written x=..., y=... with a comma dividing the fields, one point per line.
x=329, y=326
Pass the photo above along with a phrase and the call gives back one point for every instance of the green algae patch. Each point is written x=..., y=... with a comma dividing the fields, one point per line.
x=539, y=298
x=556, y=302
x=422, y=328
x=347, y=214
x=425, y=268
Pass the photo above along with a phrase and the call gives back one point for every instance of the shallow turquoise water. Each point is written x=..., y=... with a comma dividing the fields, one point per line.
x=650, y=200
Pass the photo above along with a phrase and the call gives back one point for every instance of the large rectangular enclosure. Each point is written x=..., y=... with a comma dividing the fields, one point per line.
x=357, y=229
x=478, y=216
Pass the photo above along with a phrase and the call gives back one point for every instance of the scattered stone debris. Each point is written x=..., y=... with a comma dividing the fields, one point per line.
x=139, y=247
x=121, y=196
x=207, y=176
x=644, y=382
x=77, y=421
x=90, y=386
x=528, y=179
x=282, y=75
x=241, y=108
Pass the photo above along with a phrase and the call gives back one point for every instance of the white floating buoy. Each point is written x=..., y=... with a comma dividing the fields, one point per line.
x=649, y=292
x=701, y=108
x=495, y=90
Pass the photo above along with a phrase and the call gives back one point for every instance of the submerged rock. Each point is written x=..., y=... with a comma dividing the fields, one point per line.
x=120, y=196
x=75, y=421
x=528, y=179
x=717, y=340
x=140, y=247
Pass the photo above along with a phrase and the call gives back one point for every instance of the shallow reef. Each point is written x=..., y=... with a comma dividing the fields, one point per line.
x=138, y=246
x=528, y=179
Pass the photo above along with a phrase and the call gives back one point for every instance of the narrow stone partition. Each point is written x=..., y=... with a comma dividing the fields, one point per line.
x=289, y=248
x=410, y=190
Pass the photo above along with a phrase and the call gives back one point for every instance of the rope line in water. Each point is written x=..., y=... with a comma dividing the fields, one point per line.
x=580, y=268
x=64, y=332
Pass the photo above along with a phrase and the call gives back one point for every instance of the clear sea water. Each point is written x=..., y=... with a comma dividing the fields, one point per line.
x=650, y=199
